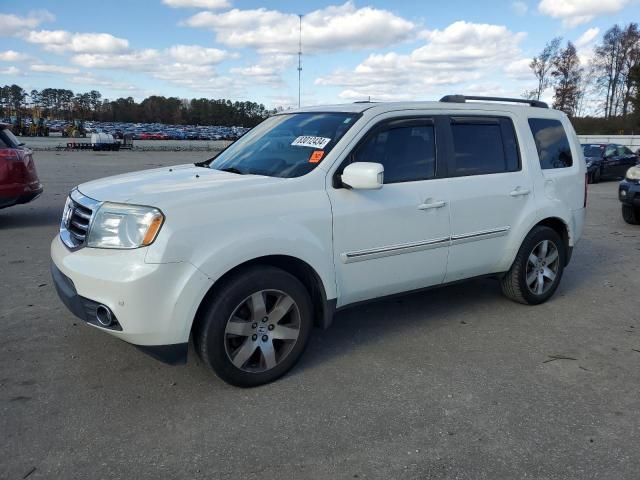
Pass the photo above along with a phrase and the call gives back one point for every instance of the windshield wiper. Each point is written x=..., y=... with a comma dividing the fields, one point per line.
x=231, y=170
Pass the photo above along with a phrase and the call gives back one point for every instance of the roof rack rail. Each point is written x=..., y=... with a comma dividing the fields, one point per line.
x=464, y=98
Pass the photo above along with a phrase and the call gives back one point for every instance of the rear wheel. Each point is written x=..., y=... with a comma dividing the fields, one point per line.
x=537, y=269
x=256, y=327
x=631, y=214
x=597, y=176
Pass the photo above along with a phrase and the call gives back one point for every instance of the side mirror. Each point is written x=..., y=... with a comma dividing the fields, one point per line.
x=363, y=176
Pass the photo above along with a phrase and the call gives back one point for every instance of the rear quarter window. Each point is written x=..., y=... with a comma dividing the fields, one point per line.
x=552, y=143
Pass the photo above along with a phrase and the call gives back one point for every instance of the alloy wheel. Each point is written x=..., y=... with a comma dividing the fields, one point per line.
x=262, y=331
x=542, y=267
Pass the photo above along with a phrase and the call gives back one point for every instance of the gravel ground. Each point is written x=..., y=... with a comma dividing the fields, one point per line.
x=454, y=383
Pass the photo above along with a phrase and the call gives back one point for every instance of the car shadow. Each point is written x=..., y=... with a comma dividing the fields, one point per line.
x=29, y=216
x=398, y=315
x=376, y=321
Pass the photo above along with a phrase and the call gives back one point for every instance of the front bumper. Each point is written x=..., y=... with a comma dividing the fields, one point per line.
x=629, y=193
x=154, y=304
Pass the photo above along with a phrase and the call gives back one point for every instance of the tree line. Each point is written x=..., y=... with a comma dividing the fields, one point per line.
x=607, y=87
x=64, y=104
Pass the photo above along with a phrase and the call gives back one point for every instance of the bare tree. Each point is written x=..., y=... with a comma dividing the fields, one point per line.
x=614, y=59
x=566, y=74
x=541, y=66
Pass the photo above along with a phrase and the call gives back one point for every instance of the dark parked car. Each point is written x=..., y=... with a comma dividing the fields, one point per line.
x=629, y=195
x=607, y=160
x=19, y=181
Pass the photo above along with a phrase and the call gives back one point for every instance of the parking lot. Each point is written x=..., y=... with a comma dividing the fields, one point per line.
x=453, y=383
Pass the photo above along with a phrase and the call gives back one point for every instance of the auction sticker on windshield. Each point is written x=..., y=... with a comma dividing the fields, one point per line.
x=309, y=141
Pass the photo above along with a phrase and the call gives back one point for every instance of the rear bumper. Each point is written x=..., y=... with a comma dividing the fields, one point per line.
x=26, y=196
x=629, y=193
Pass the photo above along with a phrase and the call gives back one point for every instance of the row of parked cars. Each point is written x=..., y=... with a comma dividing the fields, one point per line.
x=156, y=131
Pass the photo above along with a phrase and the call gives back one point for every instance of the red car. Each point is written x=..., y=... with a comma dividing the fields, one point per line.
x=19, y=181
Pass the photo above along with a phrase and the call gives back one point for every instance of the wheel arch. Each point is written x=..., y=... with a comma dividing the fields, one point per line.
x=561, y=227
x=323, y=308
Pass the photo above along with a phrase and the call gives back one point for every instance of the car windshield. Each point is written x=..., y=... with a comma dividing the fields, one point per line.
x=593, y=150
x=287, y=146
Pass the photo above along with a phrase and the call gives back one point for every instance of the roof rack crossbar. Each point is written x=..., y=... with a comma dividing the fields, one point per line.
x=464, y=98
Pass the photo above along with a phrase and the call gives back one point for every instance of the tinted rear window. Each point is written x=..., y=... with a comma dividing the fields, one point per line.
x=484, y=145
x=8, y=139
x=552, y=143
x=593, y=150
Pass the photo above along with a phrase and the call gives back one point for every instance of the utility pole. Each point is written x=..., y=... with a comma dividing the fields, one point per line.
x=299, y=60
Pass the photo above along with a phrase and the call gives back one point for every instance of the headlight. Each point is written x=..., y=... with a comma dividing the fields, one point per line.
x=589, y=163
x=124, y=226
x=633, y=173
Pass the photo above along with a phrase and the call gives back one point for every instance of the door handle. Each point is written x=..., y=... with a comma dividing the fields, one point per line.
x=519, y=192
x=430, y=205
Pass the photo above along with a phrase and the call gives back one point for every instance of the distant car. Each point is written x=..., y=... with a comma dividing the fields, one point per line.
x=19, y=181
x=629, y=195
x=607, y=160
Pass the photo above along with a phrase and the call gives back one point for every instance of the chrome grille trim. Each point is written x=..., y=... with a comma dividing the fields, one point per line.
x=77, y=218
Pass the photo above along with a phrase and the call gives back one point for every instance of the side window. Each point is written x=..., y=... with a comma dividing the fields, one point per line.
x=484, y=145
x=610, y=151
x=407, y=152
x=622, y=150
x=551, y=142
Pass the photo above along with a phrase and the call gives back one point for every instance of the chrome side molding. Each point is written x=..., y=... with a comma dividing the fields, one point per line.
x=400, y=249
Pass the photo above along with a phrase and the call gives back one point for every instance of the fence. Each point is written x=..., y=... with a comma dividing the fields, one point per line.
x=631, y=141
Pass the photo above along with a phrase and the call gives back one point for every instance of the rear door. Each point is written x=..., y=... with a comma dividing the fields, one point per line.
x=490, y=192
x=611, y=161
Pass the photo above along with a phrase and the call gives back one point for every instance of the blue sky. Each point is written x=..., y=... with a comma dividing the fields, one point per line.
x=245, y=50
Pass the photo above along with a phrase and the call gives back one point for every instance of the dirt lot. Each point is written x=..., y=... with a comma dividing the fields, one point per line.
x=454, y=383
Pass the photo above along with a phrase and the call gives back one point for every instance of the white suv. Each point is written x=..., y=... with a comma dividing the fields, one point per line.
x=317, y=209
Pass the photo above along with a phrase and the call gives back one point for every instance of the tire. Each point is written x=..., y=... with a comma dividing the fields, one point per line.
x=590, y=177
x=521, y=283
x=245, y=346
x=597, y=176
x=631, y=214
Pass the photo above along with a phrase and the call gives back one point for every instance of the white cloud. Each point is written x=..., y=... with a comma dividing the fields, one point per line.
x=95, y=82
x=14, y=24
x=520, y=69
x=336, y=27
x=206, y=4
x=10, y=71
x=460, y=53
x=141, y=60
x=197, y=55
x=519, y=8
x=46, y=68
x=189, y=66
x=576, y=12
x=62, y=41
x=12, y=56
x=587, y=37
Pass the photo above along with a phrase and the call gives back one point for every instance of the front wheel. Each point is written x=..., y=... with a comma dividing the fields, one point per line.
x=537, y=269
x=256, y=326
x=631, y=214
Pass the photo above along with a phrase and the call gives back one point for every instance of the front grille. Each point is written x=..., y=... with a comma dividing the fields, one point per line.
x=76, y=219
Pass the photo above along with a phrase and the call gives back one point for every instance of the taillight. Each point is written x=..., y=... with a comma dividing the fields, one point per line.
x=586, y=182
x=9, y=155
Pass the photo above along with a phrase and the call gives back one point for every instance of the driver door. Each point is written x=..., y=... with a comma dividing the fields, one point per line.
x=394, y=239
